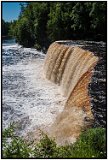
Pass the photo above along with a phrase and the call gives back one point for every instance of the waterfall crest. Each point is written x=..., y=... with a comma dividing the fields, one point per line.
x=71, y=68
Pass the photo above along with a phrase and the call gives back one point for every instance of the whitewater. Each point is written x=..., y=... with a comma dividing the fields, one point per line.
x=33, y=103
x=28, y=100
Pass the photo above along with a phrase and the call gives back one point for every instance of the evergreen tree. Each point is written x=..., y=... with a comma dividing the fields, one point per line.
x=41, y=23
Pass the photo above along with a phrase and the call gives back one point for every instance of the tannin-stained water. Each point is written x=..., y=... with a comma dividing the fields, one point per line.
x=75, y=72
x=31, y=101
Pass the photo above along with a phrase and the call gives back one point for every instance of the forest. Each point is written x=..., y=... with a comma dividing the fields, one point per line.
x=41, y=23
x=5, y=28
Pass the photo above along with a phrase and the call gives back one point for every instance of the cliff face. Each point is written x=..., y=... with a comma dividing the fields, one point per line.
x=71, y=67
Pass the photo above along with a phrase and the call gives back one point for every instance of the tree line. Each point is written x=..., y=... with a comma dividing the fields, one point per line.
x=5, y=28
x=41, y=23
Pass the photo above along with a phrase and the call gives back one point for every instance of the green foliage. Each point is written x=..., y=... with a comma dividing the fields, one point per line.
x=24, y=33
x=14, y=146
x=5, y=28
x=12, y=31
x=16, y=149
x=91, y=144
x=46, y=148
x=9, y=132
x=41, y=23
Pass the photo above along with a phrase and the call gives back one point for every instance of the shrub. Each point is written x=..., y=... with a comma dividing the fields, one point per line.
x=46, y=148
x=14, y=146
x=90, y=144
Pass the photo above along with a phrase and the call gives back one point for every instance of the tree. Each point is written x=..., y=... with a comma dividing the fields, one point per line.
x=41, y=23
x=5, y=28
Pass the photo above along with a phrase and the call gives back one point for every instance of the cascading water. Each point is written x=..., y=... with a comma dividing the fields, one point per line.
x=97, y=86
x=71, y=68
x=33, y=102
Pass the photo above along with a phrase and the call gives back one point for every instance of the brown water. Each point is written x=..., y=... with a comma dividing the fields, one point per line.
x=71, y=67
x=32, y=102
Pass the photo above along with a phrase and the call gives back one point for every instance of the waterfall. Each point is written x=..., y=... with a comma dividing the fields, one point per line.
x=70, y=67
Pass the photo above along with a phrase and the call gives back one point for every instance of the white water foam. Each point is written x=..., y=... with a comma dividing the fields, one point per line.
x=28, y=98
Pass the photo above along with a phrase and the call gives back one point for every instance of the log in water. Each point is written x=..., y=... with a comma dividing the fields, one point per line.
x=71, y=67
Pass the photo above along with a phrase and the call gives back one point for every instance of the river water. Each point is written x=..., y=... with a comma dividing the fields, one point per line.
x=97, y=87
x=31, y=101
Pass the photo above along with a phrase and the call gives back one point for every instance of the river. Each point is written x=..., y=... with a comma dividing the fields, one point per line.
x=31, y=101
x=28, y=100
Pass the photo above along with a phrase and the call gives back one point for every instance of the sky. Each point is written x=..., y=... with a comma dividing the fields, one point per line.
x=10, y=11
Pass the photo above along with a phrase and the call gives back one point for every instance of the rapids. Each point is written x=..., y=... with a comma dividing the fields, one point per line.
x=28, y=99
x=37, y=90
